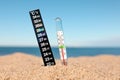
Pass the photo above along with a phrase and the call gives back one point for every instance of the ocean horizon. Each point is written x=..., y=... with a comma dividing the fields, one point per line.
x=71, y=51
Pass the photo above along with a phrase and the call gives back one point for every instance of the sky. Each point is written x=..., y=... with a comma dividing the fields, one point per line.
x=86, y=23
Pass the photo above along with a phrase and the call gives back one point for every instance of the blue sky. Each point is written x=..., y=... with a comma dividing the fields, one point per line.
x=86, y=23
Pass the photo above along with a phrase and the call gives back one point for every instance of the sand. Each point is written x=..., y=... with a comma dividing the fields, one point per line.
x=19, y=66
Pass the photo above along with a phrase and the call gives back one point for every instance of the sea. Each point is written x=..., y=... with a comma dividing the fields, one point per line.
x=71, y=51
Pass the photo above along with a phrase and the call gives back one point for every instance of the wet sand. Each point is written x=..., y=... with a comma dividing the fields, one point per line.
x=19, y=66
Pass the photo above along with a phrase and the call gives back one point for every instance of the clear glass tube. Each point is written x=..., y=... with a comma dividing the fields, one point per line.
x=60, y=37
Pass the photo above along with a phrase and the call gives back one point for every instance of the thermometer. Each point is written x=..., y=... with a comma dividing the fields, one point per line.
x=42, y=38
x=60, y=37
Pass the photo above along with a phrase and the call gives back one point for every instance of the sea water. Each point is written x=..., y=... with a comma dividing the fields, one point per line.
x=71, y=51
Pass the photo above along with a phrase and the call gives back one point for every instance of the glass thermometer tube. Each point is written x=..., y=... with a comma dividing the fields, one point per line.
x=60, y=37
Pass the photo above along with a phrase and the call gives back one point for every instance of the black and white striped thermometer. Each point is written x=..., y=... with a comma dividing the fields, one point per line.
x=61, y=45
x=42, y=38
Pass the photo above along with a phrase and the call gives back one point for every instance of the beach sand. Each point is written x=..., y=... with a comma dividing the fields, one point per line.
x=19, y=66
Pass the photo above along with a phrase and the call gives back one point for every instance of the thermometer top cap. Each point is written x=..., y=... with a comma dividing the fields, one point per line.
x=58, y=24
x=58, y=19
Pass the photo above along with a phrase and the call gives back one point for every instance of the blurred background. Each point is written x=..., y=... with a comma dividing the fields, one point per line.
x=91, y=27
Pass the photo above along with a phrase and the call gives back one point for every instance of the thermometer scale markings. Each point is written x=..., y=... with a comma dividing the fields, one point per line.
x=42, y=38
